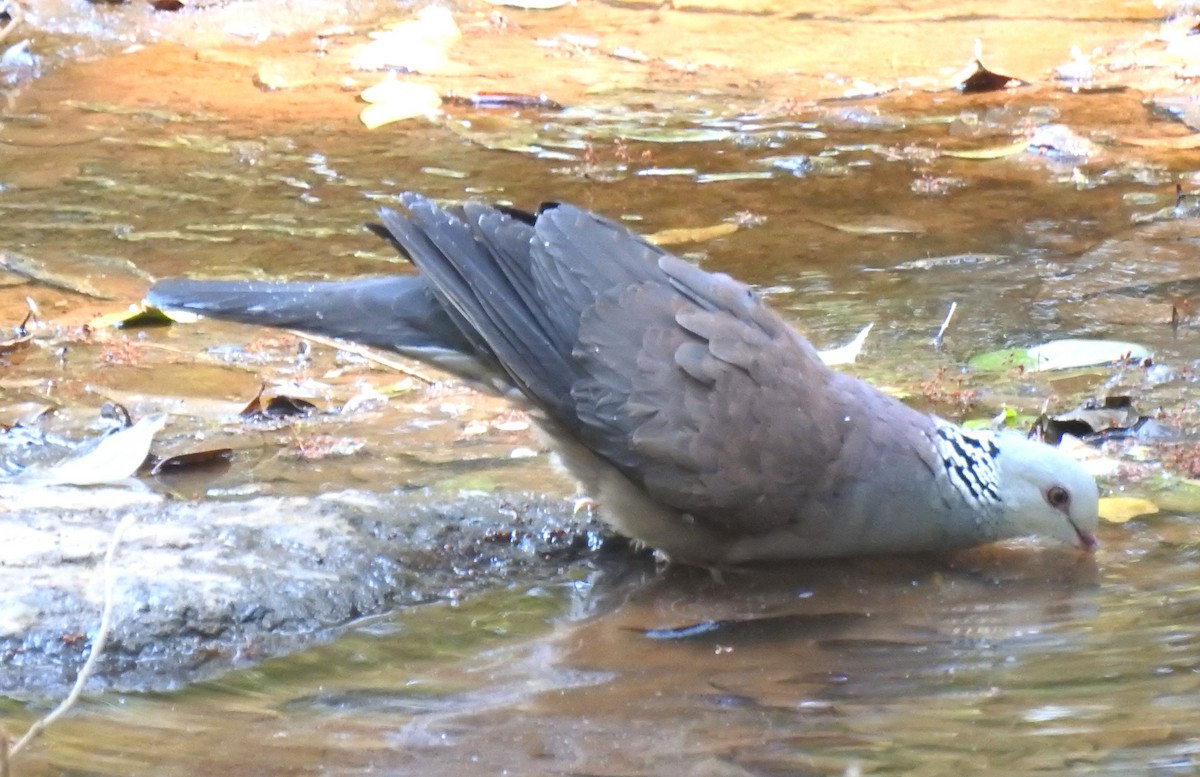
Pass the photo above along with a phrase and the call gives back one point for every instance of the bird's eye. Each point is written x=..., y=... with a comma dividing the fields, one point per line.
x=1058, y=497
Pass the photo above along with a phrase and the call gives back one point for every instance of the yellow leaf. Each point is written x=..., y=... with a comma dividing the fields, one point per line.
x=141, y=316
x=393, y=100
x=1119, y=509
x=666, y=237
x=416, y=45
x=390, y=90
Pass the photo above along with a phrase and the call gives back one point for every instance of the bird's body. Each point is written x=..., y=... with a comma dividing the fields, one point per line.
x=700, y=420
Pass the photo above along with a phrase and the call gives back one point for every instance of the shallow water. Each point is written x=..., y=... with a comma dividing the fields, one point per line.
x=998, y=664
x=1006, y=662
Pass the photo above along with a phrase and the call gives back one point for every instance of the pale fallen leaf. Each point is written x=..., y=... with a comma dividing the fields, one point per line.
x=393, y=100
x=114, y=457
x=474, y=428
x=433, y=24
x=1119, y=509
x=847, y=353
x=666, y=237
x=416, y=45
x=1064, y=354
x=394, y=90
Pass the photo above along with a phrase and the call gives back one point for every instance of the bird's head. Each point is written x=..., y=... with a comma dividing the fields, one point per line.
x=1032, y=488
x=1044, y=492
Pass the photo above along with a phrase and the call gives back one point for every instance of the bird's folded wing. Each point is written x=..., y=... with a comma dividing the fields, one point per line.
x=699, y=392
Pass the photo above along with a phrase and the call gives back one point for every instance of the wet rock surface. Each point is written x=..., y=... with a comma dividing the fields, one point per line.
x=202, y=587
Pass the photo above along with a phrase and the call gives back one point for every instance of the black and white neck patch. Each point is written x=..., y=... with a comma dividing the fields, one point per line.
x=970, y=461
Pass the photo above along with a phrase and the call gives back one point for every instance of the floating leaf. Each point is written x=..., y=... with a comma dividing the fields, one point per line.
x=379, y=114
x=414, y=45
x=1071, y=353
x=141, y=316
x=1119, y=509
x=975, y=78
x=1112, y=416
x=393, y=90
x=279, y=406
x=215, y=457
x=847, y=353
x=1004, y=359
x=1008, y=418
x=995, y=152
x=1060, y=355
x=393, y=100
x=666, y=237
x=115, y=457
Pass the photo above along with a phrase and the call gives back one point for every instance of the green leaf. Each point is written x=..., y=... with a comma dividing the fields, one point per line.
x=1059, y=355
x=1002, y=360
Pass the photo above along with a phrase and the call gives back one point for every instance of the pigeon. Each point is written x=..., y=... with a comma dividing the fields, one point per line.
x=702, y=423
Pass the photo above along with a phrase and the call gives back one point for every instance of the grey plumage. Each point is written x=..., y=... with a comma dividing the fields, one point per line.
x=702, y=422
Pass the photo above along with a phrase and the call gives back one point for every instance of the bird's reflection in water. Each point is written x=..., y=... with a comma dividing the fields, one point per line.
x=756, y=667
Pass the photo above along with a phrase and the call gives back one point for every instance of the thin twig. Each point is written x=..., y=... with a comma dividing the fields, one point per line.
x=93, y=659
x=937, y=339
x=367, y=354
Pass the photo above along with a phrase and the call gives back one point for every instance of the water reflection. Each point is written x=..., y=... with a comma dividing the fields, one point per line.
x=1000, y=661
x=975, y=662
